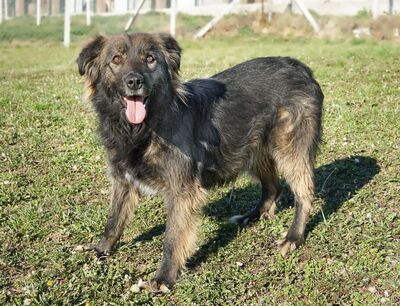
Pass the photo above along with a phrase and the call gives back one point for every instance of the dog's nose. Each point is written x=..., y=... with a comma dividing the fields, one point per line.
x=134, y=81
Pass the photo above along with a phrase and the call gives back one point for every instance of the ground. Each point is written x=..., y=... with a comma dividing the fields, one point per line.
x=54, y=192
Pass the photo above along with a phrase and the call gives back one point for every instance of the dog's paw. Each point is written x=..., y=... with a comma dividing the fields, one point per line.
x=100, y=252
x=152, y=286
x=267, y=215
x=287, y=245
x=103, y=248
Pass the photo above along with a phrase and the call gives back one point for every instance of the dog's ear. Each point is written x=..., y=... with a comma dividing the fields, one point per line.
x=86, y=60
x=172, y=53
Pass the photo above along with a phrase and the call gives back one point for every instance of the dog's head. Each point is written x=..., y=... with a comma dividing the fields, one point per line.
x=129, y=69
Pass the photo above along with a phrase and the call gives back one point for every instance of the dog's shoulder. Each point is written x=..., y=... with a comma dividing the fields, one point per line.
x=204, y=91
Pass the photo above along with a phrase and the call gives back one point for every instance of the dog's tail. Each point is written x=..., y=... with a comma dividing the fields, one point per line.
x=305, y=114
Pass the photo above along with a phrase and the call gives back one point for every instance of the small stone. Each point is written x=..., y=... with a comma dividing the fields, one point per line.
x=386, y=293
x=27, y=301
x=141, y=283
x=79, y=248
x=372, y=289
x=164, y=289
x=135, y=288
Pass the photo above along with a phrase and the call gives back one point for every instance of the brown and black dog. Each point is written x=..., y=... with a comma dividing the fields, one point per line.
x=176, y=139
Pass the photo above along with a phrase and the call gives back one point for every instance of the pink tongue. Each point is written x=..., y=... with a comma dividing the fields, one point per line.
x=135, y=111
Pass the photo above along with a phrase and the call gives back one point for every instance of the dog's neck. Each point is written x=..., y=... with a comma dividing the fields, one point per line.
x=115, y=131
x=164, y=113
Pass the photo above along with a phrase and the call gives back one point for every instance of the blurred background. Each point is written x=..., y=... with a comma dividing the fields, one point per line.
x=323, y=18
x=17, y=8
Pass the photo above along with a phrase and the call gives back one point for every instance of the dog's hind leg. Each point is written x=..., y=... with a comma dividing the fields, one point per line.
x=124, y=198
x=295, y=143
x=183, y=212
x=300, y=179
x=270, y=191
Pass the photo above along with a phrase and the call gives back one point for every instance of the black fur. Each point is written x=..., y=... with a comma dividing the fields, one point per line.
x=260, y=115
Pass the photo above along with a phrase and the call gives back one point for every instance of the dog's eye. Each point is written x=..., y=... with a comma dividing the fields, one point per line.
x=150, y=59
x=117, y=59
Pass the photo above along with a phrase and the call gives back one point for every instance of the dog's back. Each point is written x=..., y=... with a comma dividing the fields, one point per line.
x=251, y=108
x=268, y=121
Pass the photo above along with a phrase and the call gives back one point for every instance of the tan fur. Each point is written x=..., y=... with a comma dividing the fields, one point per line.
x=89, y=90
x=295, y=162
x=124, y=199
x=265, y=170
x=184, y=209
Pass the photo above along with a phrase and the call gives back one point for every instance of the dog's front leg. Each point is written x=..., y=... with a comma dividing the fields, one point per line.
x=183, y=212
x=124, y=199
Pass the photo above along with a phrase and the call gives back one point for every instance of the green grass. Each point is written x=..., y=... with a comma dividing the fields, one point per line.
x=54, y=192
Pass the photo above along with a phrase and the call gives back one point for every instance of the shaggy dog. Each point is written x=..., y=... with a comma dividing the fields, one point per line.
x=176, y=139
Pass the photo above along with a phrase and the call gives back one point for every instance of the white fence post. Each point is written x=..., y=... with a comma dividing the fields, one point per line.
x=308, y=15
x=6, y=17
x=270, y=4
x=203, y=31
x=172, y=18
x=291, y=6
x=375, y=9
x=391, y=7
x=67, y=23
x=78, y=6
x=1, y=11
x=88, y=17
x=38, y=12
x=132, y=19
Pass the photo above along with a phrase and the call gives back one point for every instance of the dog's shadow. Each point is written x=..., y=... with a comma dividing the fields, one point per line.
x=335, y=183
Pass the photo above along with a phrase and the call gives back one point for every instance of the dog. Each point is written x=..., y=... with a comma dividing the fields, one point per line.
x=176, y=139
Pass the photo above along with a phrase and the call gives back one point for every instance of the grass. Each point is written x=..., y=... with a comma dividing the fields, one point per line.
x=54, y=192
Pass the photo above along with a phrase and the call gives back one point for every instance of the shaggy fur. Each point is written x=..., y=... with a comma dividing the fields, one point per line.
x=262, y=117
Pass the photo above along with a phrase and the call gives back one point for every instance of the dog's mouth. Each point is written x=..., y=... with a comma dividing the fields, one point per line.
x=135, y=108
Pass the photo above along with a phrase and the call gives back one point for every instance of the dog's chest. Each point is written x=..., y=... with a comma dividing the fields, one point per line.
x=139, y=184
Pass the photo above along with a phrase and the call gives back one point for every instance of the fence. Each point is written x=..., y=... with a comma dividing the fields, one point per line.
x=17, y=8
